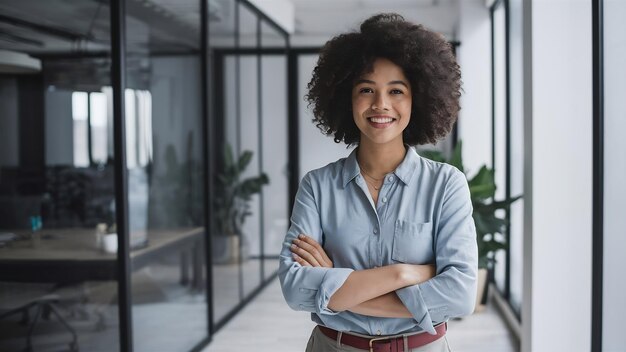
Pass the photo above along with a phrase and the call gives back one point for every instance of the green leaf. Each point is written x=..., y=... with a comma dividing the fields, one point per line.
x=482, y=185
x=489, y=225
x=481, y=192
x=244, y=160
x=497, y=205
x=228, y=156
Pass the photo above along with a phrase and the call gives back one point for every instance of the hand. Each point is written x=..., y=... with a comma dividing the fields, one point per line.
x=307, y=252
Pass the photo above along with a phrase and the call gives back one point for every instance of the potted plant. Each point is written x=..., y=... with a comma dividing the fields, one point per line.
x=482, y=191
x=232, y=206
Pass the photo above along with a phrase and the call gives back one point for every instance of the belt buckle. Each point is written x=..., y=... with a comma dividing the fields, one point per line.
x=376, y=339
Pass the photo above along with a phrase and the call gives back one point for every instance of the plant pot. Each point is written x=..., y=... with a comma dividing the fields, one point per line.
x=482, y=284
x=227, y=249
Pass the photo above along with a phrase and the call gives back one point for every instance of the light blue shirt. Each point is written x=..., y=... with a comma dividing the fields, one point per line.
x=423, y=216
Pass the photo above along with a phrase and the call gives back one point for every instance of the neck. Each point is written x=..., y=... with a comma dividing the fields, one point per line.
x=380, y=159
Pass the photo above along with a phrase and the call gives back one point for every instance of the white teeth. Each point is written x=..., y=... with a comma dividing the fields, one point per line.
x=381, y=119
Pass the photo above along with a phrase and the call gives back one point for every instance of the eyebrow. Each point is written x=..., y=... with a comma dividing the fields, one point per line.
x=389, y=83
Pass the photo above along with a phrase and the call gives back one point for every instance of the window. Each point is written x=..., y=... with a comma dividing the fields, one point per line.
x=93, y=127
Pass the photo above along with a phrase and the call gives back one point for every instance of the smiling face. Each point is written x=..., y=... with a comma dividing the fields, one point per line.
x=381, y=103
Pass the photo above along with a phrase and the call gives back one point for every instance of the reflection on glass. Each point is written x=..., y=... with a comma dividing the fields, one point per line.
x=165, y=177
x=249, y=140
x=99, y=125
x=226, y=286
x=58, y=284
x=250, y=123
x=80, y=123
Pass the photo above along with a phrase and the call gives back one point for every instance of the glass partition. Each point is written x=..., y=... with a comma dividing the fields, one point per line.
x=516, y=143
x=273, y=108
x=249, y=114
x=58, y=233
x=165, y=164
x=248, y=136
x=58, y=278
x=614, y=222
x=224, y=111
x=500, y=127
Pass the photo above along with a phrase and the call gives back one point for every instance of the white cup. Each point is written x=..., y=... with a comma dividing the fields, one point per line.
x=109, y=242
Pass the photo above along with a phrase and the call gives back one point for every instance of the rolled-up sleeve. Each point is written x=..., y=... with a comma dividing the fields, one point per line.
x=452, y=292
x=307, y=288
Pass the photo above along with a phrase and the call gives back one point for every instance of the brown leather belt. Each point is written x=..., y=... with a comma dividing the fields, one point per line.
x=393, y=343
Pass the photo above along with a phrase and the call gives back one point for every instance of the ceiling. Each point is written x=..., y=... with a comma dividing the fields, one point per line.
x=68, y=26
x=317, y=21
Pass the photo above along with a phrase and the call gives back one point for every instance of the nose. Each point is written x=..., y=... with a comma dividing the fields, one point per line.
x=380, y=102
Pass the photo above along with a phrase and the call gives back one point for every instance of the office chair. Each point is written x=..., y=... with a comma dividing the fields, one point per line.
x=44, y=306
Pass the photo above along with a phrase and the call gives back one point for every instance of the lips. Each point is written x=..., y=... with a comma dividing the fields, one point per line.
x=381, y=121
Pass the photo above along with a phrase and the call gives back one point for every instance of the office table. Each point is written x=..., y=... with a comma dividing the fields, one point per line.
x=70, y=255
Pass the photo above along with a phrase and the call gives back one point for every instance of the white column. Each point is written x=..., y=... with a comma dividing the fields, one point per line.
x=556, y=313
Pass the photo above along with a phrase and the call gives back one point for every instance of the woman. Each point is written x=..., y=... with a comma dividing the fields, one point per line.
x=382, y=246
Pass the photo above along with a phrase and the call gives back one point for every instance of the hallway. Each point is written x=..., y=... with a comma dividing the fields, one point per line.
x=267, y=324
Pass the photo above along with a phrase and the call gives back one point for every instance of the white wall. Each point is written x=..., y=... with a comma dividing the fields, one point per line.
x=557, y=298
x=281, y=11
x=316, y=149
x=474, y=57
x=614, y=280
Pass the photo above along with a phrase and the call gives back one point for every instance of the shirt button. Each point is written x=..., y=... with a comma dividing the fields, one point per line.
x=384, y=199
x=375, y=231
x=390, y=178
x=378, y=332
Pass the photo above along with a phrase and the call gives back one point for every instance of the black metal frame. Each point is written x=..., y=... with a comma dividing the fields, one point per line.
x=207, y=135
x=118, y=79
x=118, y=36
x=507, y=118
x=598, y=175
x=259, y=70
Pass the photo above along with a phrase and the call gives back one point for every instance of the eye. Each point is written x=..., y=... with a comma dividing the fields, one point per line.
x=365, y=90
x=396, y=91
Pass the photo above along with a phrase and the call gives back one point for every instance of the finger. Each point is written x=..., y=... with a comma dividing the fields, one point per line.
x=300, y=261
x=304, y=255
x=314, y=243
x=312, y=251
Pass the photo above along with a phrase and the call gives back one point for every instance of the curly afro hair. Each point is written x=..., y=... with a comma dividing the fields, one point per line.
x=426, y=58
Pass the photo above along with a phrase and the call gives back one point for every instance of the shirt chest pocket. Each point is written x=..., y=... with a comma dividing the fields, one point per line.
x=413, y=242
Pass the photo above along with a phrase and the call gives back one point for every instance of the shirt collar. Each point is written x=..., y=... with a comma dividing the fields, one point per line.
x=404, y=171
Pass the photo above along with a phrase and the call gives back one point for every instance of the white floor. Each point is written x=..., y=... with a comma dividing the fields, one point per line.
x=268, y=324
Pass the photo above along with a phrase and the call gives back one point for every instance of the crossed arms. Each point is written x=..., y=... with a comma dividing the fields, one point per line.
x=311, y=283
x=358, y=294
